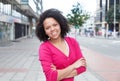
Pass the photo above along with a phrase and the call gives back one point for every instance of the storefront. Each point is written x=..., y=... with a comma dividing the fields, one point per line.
x=15, y=20
x=5, y=30
x=12, y=28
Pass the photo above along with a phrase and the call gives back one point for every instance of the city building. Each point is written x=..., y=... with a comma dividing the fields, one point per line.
x=102, y=7
x=17, y=18
x=89, y=27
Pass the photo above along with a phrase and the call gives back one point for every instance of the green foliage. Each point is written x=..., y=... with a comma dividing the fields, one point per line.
x=77, y=16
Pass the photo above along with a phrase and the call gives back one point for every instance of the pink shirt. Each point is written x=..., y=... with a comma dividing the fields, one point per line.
x=49, y=54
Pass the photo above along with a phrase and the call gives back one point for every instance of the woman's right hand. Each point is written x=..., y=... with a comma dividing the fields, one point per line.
x=80, y=62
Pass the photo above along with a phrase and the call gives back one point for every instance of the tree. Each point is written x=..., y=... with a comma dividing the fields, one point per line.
x=78, y=16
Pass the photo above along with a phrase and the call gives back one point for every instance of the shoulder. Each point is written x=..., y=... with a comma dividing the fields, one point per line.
x=70, y=39
x=44, y=49
x=44, y=45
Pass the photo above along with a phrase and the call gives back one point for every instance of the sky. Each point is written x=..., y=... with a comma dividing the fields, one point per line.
x=66, y=5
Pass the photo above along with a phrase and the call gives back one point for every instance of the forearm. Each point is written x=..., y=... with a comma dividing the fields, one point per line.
x=66, y=73
x=72, y=74
x=71, y=70
x=76, y=72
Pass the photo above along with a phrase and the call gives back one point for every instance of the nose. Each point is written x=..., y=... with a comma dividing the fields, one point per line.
x=52, y=28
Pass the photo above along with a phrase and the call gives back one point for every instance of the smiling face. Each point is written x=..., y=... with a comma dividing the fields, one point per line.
x=52, y=28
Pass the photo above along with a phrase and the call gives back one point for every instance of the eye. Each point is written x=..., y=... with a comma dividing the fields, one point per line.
x=55, y=24
x=46, y=28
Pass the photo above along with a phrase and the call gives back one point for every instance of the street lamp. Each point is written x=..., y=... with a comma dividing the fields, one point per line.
x=114, y=31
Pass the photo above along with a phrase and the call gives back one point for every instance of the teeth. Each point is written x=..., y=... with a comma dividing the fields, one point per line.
x=54, y=33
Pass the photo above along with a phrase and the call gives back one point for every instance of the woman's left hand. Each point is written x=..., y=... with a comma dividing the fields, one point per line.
x=53, y=67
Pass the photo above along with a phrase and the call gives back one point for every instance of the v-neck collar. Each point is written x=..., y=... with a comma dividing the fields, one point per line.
x=60, y=50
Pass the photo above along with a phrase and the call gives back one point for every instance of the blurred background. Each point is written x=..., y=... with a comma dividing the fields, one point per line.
x=18, y=18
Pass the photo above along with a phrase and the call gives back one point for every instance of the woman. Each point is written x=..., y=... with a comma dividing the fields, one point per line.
x=60, y=56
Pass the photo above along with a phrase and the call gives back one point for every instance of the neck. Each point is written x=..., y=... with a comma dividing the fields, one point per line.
x=57, y=41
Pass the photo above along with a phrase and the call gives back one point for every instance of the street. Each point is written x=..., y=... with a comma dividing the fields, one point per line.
x=19, y=61
x=110, y=48
x=102, y=56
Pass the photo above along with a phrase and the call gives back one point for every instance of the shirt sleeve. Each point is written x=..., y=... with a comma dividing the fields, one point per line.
x=79, y=55
x=46, y=61
x=81, y=70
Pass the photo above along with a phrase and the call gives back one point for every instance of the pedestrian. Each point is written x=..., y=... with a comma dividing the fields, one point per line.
x=59, y=55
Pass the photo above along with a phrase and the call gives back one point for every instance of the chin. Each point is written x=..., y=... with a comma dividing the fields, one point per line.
x=55, y=38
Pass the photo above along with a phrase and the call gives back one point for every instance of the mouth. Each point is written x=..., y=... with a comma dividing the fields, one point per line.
x=54, y=33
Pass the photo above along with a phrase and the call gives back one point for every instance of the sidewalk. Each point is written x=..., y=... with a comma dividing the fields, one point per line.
x=107, y=38
x=104, y=66
x=19, y=62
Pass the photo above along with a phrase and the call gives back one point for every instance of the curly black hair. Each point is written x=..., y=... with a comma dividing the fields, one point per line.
x=57, y=15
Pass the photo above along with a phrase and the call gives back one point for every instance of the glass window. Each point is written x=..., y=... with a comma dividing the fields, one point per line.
x=24, y=0
x=1, y=7
x=32, y=5
x=16, y=14
x=5, y=9
x=9, y=9
x=24, y=18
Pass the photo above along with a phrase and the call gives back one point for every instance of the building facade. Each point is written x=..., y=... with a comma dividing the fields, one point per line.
x=17, y=18
x=102, y=7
